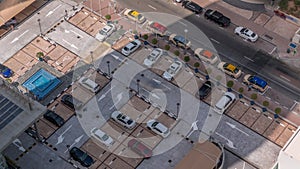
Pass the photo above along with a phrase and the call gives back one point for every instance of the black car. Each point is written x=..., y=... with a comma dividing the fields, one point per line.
x=83, y=158
x=68, y=100
x=217, y=17
x=54, y=118
x=192, y=6
x=205, y=89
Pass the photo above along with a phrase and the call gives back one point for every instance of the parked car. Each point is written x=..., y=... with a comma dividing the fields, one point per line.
x=157, y=28
x=180, y=41
x=102, y=137
x=70, y=101
x=153, y=57
x=178, y=1
x=89, y=84
x=206, y=55
x=171, y=72
x=225, y=101
x=83, y=158
x=105, y=32
x=230, y=69
x=246, y=34
x=54, y=118
x=158, y=128
x=5, y=71
x=135, y=16
x=123, y=119
x=192, y=6
x=217, y=17
x=205, y=89
x=131, y=47
x=140, y=148
x=255, y=82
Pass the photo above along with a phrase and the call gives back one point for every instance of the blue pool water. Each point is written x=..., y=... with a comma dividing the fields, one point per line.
x=41, y=83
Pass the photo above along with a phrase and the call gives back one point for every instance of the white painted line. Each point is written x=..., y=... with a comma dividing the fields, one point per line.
x=18, y=37
x=174, y=3
x=270, y=118
x=284, y=78
x=248, y=58
x=51, y=12
x=214, y=40
x=295, y=113
x=282, y=124
x=76, y=33
x=201, y=78
x=182, y=23
x=150, y=6
x=277, y=102
x=295, y=103
x=268, y=98
x=273, y=50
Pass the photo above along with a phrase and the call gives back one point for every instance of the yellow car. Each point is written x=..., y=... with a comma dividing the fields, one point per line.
x=135, y=16
x=230, y=69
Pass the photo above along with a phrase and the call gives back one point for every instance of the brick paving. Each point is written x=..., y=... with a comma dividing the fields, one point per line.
x=238, y=110
x=44, y=129
x=262, y=123
x=250, y=117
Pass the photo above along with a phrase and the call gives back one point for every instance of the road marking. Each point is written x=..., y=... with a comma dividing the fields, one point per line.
x=248, y=58
x=229, y=142
x=76, y=33
x=72, y=45
x=17, y=38
x=102, y=96
x=119, y=98
x=234, y=127
x=18, y=144
x=182, y=23
x=60, y=138
x=75, y=141
x=150, y=6
x=52, y=11
x=273, y=50
x=154, y=95
x=284, y=78
x=214, y=40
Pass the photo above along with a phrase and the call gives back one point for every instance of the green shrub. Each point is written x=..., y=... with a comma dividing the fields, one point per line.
x=107, y=17
x=154, y=41
x=253, y=96
x=277, y=110
x=39, y=54
x=145, y=36
x=197, y=64
x=265, y=103
x=230, y=83
x=186, y=58
x=176, y=52
x=167, y=47
x=241, y=90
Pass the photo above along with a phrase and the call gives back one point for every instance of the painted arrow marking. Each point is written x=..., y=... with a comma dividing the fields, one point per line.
x=72, y=45
x=61, y=138
x=17, y=38
x=52, y=11
x=102, y=96
x=119, y=97
x=234, y=127
x=229, y=142
x=75, y=141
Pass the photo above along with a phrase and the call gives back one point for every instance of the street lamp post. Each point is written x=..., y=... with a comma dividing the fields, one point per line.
x=138, y=86
x=108, y=67
x=40, y=26
x=185, y=32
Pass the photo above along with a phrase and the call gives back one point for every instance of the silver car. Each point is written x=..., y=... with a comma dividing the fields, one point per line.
x=102, y=137
x=123, y=119
x=172, y=70
x=131, y=47
x=153, y=57
x=158, y=128
x=105, y=32
x=225, y=101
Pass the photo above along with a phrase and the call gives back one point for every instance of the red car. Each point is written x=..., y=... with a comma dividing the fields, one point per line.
x=157, y=28
x=140, y=148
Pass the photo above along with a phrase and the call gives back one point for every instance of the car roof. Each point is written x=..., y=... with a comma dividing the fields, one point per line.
x=180, y=38
x=259, y=81
x=231, y=67
x=206, y=53
x=158, y=26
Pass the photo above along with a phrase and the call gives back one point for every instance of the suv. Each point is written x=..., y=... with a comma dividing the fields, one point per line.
x=256, y=82
x=54, y=118
x=217, y=17
x=89, y=84
x=131, y=47
x=171, y=72
x=180, y=41
x=205, y=89
x=225, y=101
x=192, y=6
x=158, y=128
x=83, y=158
x=123, y=119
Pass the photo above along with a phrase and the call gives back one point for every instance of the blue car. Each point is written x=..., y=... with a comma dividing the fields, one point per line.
x=5, y=71
x=256, y=82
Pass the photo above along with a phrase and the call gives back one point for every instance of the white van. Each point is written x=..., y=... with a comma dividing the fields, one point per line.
x=225, y=101
x=89, y=84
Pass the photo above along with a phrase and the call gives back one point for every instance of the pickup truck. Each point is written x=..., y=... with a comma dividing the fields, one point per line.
x=217, y=17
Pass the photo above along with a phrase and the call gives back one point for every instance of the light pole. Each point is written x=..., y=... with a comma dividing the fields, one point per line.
x=40, y=26
x=108, y=67
x=138, y=85
x=185, y=32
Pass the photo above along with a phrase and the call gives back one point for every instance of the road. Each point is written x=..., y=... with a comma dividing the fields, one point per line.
x=281, y=77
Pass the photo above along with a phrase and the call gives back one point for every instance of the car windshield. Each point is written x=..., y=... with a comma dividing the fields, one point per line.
x=253, y=35
x=102, y=32
x=129, y=121
x=105, y=137
x=134, y=43
x=126, y=48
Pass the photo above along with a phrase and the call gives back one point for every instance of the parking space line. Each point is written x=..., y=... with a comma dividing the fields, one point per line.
x=284, y=78
x=248, y=58
x=150, y=6
x=214, y=40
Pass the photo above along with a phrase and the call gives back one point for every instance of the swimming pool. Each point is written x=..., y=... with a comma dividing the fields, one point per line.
x=41, y=83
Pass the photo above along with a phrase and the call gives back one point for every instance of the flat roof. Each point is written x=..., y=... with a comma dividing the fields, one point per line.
x=10, y=8
x=292, y=147
x=15, y=113
x=204, y=154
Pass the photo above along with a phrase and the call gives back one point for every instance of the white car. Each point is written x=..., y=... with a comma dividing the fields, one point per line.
x=246, y=33
x=153, y=57
x=135, y=16
x=158, y=128
x=131, y=47
x=172, y=70
x=206, y=55
x=89, y=84
x=123, y=119
x=105, y=32
x=225, y=101
x=102, y=137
